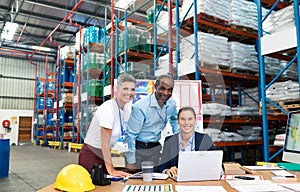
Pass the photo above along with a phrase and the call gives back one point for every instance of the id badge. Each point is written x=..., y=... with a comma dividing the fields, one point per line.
x=121, y=146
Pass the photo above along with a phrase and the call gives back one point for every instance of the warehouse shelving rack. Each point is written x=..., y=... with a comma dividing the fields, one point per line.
x=231, y=80
x=64, y=86
x=280, y=42
x=83, y=97
x=44, y=131
x=127, y=55
x=37, y=112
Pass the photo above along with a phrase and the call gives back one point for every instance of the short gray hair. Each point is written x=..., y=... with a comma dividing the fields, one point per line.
x=125, y=78
x=159, y=78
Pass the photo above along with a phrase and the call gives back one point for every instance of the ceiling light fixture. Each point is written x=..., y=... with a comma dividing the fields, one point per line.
x=124, y=4
x=46, y=49
x=9, y=31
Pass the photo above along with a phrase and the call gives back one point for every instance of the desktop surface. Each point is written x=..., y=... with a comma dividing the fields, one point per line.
x=118, y=186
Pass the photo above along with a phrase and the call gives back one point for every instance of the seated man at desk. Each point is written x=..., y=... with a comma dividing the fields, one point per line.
x=186, y=140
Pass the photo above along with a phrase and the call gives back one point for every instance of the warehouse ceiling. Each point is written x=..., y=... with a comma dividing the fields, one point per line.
x=37, y=19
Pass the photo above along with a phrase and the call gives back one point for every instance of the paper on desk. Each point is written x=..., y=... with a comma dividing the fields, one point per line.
x=282, y=173
x=182, y=188
x=261, y=168
x=292, y=186
x=160, y=176
x=149, y=188
x=255, y=186
x=231, y=177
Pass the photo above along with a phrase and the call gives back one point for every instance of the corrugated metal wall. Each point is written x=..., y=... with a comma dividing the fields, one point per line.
x=17, y=82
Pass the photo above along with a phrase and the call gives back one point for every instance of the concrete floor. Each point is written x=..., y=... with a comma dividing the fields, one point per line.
x=34, y=167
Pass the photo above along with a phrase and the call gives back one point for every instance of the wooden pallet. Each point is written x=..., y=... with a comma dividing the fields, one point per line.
x=213, y=19
x=289, y=108
x=242, y=28
x=245, y=117
x=94, y=47
x=216, y=66
x=244, y=71
x=49, y=94
x=289, y=102
x=139, y=51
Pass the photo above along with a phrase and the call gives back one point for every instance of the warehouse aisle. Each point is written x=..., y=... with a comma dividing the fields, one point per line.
x=32, y=168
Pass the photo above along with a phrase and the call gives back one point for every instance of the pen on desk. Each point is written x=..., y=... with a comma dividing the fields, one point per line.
x=112, y=178
x=125, y=179
x=244, y=177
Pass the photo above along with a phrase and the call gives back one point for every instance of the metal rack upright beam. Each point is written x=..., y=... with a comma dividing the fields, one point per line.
x=263, y=85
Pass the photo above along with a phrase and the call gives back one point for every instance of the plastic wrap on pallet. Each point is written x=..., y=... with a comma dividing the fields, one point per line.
x=95, y=88
x=272, y=65
x=243, y=13
x=281, y=91
x=291, y=72
x=280, y=20
x=78, y=37
x=138, y=70
x=94, y=61
x=243, y=56
x=163, y=21
x=94, y=34
x=212, y=49
x=67, y=52
x=222, y=9
x=216, y=8
x=150, y=12
x=253, y=93
x=251, y=110
x=216, y=109
x=163, y=64
x=136, y=39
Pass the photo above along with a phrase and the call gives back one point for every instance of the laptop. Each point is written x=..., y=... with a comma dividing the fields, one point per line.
x=199, y=165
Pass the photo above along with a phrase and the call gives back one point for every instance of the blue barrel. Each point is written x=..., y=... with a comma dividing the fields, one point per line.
x=86, y=37
x=41, y=88
x=71, y=77
x=102, y=33
x=50, y=86
x=49, y=103
x=93, y=34
x=4, y=157
x=68, y=117
x=41, y=103
x=64, y=76
x=49, y=118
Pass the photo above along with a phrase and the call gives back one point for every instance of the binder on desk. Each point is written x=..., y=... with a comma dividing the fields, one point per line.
x=289, y=166
x=251, y=169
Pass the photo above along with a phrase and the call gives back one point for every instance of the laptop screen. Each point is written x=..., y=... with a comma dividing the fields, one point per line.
x=199, y=165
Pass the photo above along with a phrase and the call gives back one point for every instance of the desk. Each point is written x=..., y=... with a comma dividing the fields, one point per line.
x=118, y=186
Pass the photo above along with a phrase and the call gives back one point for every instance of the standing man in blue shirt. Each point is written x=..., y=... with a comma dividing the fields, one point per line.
x=148, y=118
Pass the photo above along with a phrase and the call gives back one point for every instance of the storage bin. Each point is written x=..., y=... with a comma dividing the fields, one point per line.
x=4, y=157
x=94, y=61
x=95, y=88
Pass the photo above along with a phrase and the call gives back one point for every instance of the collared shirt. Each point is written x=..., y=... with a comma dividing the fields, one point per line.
x=190, y=145
x=146, y=122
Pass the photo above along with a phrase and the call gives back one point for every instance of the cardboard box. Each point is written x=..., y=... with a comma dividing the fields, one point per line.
x=232, y=168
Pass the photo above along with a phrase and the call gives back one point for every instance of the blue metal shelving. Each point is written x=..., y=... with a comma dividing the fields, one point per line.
x=263, y=85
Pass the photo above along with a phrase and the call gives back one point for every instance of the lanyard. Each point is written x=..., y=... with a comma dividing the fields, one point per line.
x=121, y=122
x=166, y=117
x=192, y=143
